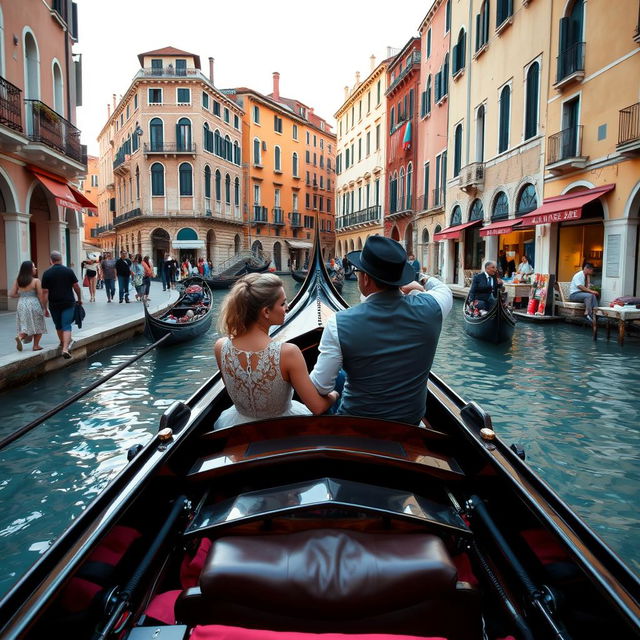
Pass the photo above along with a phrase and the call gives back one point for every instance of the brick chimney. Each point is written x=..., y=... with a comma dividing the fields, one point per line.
x=346, y=91
x=108, y=110
x=372, y=59
x=276, y=85
x=357, y=78
x=211, y=61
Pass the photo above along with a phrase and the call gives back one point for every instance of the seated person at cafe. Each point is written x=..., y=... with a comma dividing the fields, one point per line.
x=580, y=290
x=524, y=268
x=484, y=287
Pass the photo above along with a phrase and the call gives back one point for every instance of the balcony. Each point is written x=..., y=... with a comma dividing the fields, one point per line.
x=278, y=216
x=125, y=217
x=48, y=128
x=402, y=209
x=10, y=106
x=412, y=62
x=564, y=151
x=173, y=148
x=472, y=177
x=570, y=65
x=96, y=232
x=367, y=216
x=171, y=72
x=259, y=215
x=296, y=220
x=629, y=130
x=437, y=198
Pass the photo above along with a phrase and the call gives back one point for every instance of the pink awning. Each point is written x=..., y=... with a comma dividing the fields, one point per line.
x=59, y=191
x=567, y=207
x=499, y=228
x=451, y=233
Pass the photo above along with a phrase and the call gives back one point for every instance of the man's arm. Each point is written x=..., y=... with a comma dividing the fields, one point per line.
x=329, y=361
x=78, y=290
x=441, y=292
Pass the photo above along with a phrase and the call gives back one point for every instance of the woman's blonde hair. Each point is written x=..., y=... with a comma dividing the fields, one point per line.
x=243, y=303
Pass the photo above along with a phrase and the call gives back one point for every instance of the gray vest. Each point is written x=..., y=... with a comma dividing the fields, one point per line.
x=388, y=344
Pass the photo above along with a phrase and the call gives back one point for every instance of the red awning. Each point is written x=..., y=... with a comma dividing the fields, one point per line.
x=451, y=233
x=567, y=207
x=498, y=228
x=82, y=200
x=65, y=195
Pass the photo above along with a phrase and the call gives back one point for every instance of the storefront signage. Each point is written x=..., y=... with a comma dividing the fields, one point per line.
x=496, y=232
x=558, y=216
x=613, y=256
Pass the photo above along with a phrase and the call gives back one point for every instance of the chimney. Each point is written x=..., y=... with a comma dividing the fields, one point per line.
x=211, y=61
x=346, y=92
x=373, y=62
x=108, y=110
x=357, y=78
x=113, y=95
x=276, y=85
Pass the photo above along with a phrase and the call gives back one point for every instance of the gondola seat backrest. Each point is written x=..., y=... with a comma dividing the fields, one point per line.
x=332, y=581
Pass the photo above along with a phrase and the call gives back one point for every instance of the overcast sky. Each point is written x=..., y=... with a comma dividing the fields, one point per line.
x=317, y=47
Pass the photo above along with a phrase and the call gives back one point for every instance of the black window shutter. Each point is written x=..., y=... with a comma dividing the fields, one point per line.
x=478, y=40
x=564, y=33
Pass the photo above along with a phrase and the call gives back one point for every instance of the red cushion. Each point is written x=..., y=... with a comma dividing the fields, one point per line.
x=115, y=545
x=162, y=607
x=220, y=632
x=191, y=567
x=545, y=546
x=79, y=594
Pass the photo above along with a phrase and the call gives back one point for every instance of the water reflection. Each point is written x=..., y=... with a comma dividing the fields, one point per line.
x=573, y=405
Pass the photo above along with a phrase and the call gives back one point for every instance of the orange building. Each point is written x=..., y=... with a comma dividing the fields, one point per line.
x=289, y=161
x=90, y=219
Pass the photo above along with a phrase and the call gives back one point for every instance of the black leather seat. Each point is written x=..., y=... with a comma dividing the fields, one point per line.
x=330, y=580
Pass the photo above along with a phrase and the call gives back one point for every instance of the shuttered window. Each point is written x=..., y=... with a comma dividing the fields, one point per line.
x=505, y=109
x=531, y=105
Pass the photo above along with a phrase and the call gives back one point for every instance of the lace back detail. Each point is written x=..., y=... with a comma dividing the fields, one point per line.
x=257, y=391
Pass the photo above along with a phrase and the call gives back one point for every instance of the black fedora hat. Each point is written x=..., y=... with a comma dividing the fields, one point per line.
x=384, y=260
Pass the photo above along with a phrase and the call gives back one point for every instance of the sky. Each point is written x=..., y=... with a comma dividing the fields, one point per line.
x=316, y=47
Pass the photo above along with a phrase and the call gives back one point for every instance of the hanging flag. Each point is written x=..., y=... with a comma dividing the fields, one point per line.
x=406, y=141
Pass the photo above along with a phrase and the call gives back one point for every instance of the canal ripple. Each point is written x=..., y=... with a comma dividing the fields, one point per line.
x=572, y=404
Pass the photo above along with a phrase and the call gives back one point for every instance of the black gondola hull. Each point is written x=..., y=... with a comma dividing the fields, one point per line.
x=497, y=326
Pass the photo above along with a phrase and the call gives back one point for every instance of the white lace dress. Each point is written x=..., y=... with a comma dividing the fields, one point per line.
x=258, y=392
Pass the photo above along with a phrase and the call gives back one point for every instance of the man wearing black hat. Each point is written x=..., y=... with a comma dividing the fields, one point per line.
x=385, y=345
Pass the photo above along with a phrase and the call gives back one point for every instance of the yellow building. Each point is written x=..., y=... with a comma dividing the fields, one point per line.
x=360, y=168
x=170, y=164
x=89, y=188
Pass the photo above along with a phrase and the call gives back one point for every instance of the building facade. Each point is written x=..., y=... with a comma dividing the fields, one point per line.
x=360, y=161
x=40, y=149
x=403, y=78
x=432, y=135
x=88, y=186
x=170, y=164
x=497, y=93
x=289, y=164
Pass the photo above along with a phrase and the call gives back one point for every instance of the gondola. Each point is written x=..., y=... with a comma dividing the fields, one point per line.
x=496, y=326
x=168, y=322
x=349, y=273
x=228, y=278
x=301, y=276
x=325, y=524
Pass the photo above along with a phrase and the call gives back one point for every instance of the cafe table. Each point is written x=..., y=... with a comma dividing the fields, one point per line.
x=517, y=290
x=612, y=314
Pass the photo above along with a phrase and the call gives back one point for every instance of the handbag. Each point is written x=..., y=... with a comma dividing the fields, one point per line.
x=85, y=282
x=137, y=280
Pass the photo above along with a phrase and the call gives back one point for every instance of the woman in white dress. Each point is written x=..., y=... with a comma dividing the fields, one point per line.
x=260, y=375
x=31, y=310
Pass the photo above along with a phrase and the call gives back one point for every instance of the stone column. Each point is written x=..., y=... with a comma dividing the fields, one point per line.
x=448, y=266
x=619, y=258
x=490, y=249
x=75, y=246
x=16, y=234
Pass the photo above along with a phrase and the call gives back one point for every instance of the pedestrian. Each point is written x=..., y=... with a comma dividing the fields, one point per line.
x=207, y=268
x=108, y=268
x=148, y=274
x=59, y=283
x=90, y=266
x=123, y=270
x=100, y=278
x=171, y=266
x=162, y=267
x=137, y=277
x=31, y=310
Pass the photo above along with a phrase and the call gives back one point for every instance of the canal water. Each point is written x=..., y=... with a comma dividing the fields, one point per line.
x=574, y=405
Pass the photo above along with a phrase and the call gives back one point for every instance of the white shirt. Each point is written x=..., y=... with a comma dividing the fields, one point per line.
x=326, y=370
x=578, y=279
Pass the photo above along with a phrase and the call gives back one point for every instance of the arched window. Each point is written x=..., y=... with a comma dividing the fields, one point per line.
x=500, y=207
x=277, y=158
x=32, y=68
x=228, y=149
x=183, y=134
x=571, y=45
x=527, y=200
x=480, y=134
x=58, y=89
x=393, y=194
x=157, y=179
x=409, y=189
x=186, y=179
x=236, y=153
x=425, y=236
x=531, y=105
x=227, y=189
x=236, y=191
x=218, y=185
x=207, y=181
x=445, y=76
x=187, y=233
x=294, y=164
x=207, y=138
x=137, y=183
x=257, y=152
x=456, y=216
x=457, y=64
x=217, y=143
x=482, y=25
x=401, y=190
x=428, y=94
x=156, y=134
x=477, y=211
x=457, y=150
x=505, y=115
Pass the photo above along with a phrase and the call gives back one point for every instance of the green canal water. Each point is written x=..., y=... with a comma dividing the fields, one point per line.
x=574, y=405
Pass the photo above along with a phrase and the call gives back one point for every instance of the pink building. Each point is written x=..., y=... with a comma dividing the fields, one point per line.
x=40, y=150
x=432, y=133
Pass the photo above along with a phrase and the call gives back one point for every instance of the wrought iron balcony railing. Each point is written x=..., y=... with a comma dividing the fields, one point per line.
x=10, y=105
x=629, y=124
x=96, y=231
x=134, y=213
x=369, y=214
x=50, y=128
x=169, y=147
x=564, y=145
x=413, y=60
x=296, y=220
x=278, y=215
x=437, y=197
x=570, y=61
x=259, y=213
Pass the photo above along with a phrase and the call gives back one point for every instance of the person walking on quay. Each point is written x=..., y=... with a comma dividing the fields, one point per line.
x=414, y=264
x=108, y=266
x=123, y=270
x=146, y=278
x=59, y=283
x=171, y=268
x=32, y=309
x=580, y=290
x=90, y=273
x=137, y=276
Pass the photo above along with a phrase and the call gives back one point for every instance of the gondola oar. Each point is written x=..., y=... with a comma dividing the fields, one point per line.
x=76, y=396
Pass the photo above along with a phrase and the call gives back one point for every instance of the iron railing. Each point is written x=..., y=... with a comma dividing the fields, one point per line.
x=369, y=214
x=10, y=105
x=169, y=147
x=46, y=126
x=570, y=61
x=564, y=145
x=413, y=59
x=134, y=213
x=259, y=213
x=169, y=72
x=436, y=197
x=278, y=215
x=296, y=221
x=629, y=124
x=96, y=231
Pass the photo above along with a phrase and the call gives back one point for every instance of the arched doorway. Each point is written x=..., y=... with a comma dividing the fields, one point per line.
x=211, y=247
x=395, y=234
x=188, y=243
x=236, y=244
x=473, y=243
x=160, y=244
x=359, y=244
x=40, y=210
x=256, y=247
x=277, y=256
x=408, y=238
x=351, y=245
x=72, y=240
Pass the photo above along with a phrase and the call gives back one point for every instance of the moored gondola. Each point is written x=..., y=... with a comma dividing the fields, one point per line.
x=299, y=275
x=188, y=318
x=327, y=524
x=496, y=325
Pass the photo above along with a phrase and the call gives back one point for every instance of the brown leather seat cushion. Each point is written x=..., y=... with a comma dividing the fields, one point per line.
x=345, y=574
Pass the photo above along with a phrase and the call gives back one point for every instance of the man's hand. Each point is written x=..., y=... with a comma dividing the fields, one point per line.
x=499, y=281
x=412, y=286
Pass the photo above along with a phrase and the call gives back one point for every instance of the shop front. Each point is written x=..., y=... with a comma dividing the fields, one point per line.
x=454, y=233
